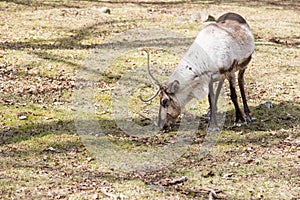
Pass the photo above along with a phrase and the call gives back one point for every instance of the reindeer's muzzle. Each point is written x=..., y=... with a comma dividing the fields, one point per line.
x=165, y=120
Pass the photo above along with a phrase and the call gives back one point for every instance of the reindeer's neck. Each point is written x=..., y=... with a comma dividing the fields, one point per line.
x=198, y=89
x=184, y=98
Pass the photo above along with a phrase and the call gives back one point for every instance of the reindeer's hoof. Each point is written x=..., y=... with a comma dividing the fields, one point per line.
x=244, y=123
x=213, y=129
x=239, y=124
x=251, y=119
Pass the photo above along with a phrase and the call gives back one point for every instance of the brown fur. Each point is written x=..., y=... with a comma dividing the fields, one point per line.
x=232, y=17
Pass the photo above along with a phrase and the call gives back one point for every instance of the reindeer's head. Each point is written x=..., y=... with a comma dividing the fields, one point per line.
x=185, y=83
x=170, y=107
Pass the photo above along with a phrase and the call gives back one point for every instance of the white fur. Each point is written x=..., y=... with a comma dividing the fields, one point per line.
x=216, y=47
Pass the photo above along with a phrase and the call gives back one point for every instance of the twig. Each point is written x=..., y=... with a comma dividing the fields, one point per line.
x=178, y=180
x=146, y=118
x=110, y=195
x=143, y=116
x=211, y=192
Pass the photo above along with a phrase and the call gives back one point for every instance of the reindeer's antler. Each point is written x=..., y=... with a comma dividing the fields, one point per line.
x=153, y=80
x=151, y=98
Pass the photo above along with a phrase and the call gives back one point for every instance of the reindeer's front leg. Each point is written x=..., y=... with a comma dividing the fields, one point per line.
x=220, y=85
x=215, y=96
x=213, y=124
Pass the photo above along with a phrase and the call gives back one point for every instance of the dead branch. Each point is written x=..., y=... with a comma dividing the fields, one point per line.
x=110, y=195
x=211, y=192
x=178, y=180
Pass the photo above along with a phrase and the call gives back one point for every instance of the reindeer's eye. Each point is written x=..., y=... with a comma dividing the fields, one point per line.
x=196, y=77
x=164, y=102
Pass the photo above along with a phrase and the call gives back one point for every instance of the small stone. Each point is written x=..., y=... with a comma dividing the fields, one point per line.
x=23, y=117
x=202, y=17
x=234, y=164
x=51, y=149
x=89, y=159
x=104, y=10
x=228, y=175
x=267, y=104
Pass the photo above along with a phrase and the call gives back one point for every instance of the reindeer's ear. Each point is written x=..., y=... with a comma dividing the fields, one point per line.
x=173, y=87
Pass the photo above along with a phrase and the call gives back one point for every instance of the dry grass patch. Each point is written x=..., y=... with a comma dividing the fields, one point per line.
x=44, y=43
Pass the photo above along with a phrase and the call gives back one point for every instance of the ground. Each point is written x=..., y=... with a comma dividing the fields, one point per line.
x=43, y=46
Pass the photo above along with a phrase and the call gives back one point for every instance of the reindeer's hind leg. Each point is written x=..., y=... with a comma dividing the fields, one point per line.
x=242, y=90
x=239, y=114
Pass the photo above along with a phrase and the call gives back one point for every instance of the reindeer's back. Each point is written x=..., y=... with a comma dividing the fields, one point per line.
x=231, y=16
x=228, y=39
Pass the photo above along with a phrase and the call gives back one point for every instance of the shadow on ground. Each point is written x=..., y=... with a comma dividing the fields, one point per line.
x=283, y=116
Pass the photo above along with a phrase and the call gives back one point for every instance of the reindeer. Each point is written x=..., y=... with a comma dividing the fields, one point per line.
x=220, y=49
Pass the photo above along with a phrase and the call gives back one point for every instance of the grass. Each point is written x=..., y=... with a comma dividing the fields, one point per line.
x=45, y=45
